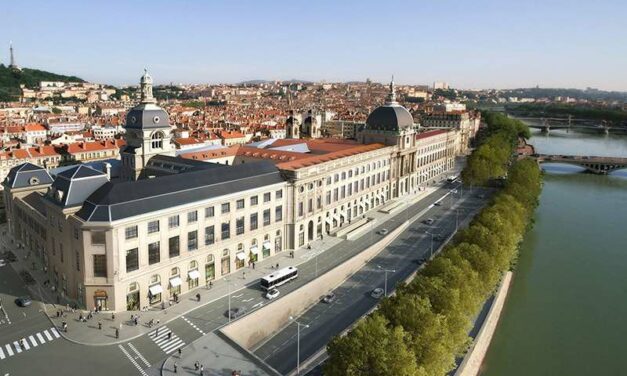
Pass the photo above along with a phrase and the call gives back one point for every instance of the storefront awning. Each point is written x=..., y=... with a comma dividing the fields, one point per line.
x=254, y=250
x=193, y=274
x=267, y=245
x=241, y=256
x=175, y=281
x=329, y=220
x=155, y=289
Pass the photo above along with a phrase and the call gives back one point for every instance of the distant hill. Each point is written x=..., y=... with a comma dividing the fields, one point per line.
x=11, y=79
x=259, y=82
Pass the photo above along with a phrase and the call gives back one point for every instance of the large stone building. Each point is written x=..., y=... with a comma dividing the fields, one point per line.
x=172, y=224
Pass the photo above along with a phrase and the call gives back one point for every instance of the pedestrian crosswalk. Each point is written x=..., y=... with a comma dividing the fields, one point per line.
x=166, y=339
x=27, y=343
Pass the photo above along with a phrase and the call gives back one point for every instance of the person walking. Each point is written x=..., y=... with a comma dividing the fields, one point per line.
x=244, y=275
x=198, y=296
x=112, y=316
x=117, y=333
x=253, y=265
x=99, y=325
x=176, y=367
x=196, y=365
x=169, y=335
x=180, y=351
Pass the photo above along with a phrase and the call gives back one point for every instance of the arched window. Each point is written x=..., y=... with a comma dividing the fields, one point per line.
x=156, y=140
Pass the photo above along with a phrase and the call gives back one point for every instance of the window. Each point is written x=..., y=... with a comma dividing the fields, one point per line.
x=278, y=194
x=209, y=212
x=132, y=260
x=61, y=251
x=153, y=226
x=254, y=200
x=192, y=240
x=173, y=221
x=266, y=197
x=154, y=255
x=253, y=221
x=78, y=262
x=226, y=230
x=278, y=213
x=226, y=207
x=174, y=248
x=266, y=217
x=192, y=217
x=209, y=235
x=240, y=204
x=319, y=202
x=239, y=226
x=328, y=198
x=310, y=207
x=100, y=265
x=300, y=209
x=97, y=238
x=329, y=180
x=131, y=232
x=75, y=233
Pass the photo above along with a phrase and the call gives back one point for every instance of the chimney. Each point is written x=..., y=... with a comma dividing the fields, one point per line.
x=107, y=170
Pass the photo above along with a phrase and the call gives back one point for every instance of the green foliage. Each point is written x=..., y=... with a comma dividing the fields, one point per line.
x=433, y=314
x=563, y=110
x=11, y=79
x=56, y=110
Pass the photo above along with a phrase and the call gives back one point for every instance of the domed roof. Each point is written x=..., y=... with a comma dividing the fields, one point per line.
x=147, y=115
x=391, y=116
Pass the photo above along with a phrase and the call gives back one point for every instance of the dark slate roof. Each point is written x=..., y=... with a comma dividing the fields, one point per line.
x=127, y=199
x=390, y=117
x=35, y=200
x=147, y=116
x=27, y=175
x=72, y=187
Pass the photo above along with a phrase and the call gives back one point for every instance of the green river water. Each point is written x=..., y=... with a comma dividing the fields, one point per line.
x=566, y=313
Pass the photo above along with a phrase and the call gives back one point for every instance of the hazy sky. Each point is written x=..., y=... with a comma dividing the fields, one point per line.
x=468, y=43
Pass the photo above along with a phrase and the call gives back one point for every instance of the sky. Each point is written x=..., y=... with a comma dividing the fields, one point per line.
x=469, y=44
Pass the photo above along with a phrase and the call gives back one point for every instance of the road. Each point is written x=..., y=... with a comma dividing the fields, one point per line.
x=144, y=355
x=353, y=297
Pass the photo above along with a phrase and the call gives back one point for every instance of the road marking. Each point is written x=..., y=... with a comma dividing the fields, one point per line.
x=193, y=325
x=48, y=335
x=138, y=354
x=166, y=340
x=1, y=353
x=9, y=349
x=139, y=368
x=33, y=341
x=41, y=338
x=17, y=347
x=260, y=304
x=237, y=296
x=54, y=331
x=247, y=300
x=24, y=344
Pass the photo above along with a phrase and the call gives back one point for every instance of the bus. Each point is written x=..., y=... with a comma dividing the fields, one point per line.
x=279, y=277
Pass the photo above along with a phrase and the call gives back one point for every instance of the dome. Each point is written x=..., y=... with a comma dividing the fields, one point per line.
x=391, y=117
x=147, y=116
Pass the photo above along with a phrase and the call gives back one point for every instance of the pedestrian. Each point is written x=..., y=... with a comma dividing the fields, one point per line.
x=112, y=316
x=176, y=367
x=58, y=314
x=22, y=343
x=198, y=297
x=196, y=365
x=202, y=369
x=80, y=317
x=180, y=351
x=277, y=265
x=244, y=274
x=253, y=266
x=157, y=332
x=99, y=325
x=210, y=284
x=117, y=333
x=169, y=335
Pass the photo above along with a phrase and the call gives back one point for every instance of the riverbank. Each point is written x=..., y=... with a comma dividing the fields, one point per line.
x=471, y=364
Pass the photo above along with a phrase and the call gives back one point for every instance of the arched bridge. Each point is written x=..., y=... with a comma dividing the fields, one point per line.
x=597, y=165
x=545, y=124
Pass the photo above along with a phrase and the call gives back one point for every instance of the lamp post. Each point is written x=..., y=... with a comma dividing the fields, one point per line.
x=385, y=283
x=298, y=325
x=431, y=248
x=228, y=284
x=456, y=219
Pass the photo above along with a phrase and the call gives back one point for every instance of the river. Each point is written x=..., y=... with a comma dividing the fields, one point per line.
x=566, y=313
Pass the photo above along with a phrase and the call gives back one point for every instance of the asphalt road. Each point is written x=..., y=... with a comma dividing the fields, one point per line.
x=353, y=297
x=145, y=354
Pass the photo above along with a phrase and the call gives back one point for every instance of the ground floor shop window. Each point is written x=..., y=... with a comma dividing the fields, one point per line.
x=226, y=265
x=210, y=272
x=239, y=260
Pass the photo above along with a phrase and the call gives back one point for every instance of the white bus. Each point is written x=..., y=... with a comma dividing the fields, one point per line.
x=279, y=277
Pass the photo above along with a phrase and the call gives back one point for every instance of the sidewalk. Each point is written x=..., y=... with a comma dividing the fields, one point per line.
x=88, y=333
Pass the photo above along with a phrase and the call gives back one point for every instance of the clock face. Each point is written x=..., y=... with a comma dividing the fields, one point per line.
x=155, y=119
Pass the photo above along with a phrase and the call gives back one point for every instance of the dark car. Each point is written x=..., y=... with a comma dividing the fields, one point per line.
x=234, y=313
x=428, y=221
x=24, y=301
x=438, y=203
x=329, y=298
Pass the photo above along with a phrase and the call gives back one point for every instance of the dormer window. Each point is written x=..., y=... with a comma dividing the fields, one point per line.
x=157, y=141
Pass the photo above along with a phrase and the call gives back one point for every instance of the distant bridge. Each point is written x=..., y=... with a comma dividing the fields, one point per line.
x=596, y=165
x=545, y=124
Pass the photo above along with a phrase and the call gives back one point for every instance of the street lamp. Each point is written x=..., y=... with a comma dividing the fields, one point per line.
x=385, y=284
x=298, y=325
x=431, y=252
x=228, y=284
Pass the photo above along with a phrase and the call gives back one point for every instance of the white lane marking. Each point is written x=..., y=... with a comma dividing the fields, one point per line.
x=1, y=353
x=139, y=368
x=138, y=354
x=260, y=304
x=173, y=346
x=48, y=335
x=237, y=296
x=54, y=331
x=41, y=338
x=193, y=325
x=33, y=341
x=247, y=300
x=17, y=347
x=25, y=345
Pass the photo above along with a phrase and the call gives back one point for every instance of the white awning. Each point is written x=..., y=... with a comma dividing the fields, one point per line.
x=155, y=289
x=254, y=250
x=329, y=220
x=267, y=245
x=193, y=274
x=241, y=256
x=175, y=281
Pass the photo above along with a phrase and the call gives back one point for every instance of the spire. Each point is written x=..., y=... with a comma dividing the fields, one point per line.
x=146, y=88
x=391, y=99
x=12, y=65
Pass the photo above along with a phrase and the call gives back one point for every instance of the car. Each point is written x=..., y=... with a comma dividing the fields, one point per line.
x=377, y=293
x=234, y=313
x=329, y=298
x=383, y=231
x=24, y=301
x=438, y=238
x=438, y=203
x=428, y=221
x=2, y=263
x=272, y=293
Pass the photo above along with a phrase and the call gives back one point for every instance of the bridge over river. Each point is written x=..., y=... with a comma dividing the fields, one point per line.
x=597, y=165
x=545, y=124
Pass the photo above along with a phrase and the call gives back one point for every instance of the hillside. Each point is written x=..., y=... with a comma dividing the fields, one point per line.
x=10, y=80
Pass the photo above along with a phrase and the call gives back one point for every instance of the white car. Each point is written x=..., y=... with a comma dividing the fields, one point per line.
x=377, y=293
x=2, y=263
x=383, y=231
x=272, y=293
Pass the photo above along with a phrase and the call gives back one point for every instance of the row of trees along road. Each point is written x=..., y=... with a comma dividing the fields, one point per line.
x=425, y=325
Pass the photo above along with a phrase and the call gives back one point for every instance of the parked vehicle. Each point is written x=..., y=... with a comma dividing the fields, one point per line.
x=438, y=203
x=24, y=301
x=272, y=293
x=329, y=298
x=234, y=313
x=383, y=231
x=377, y=293
x=428, y=221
